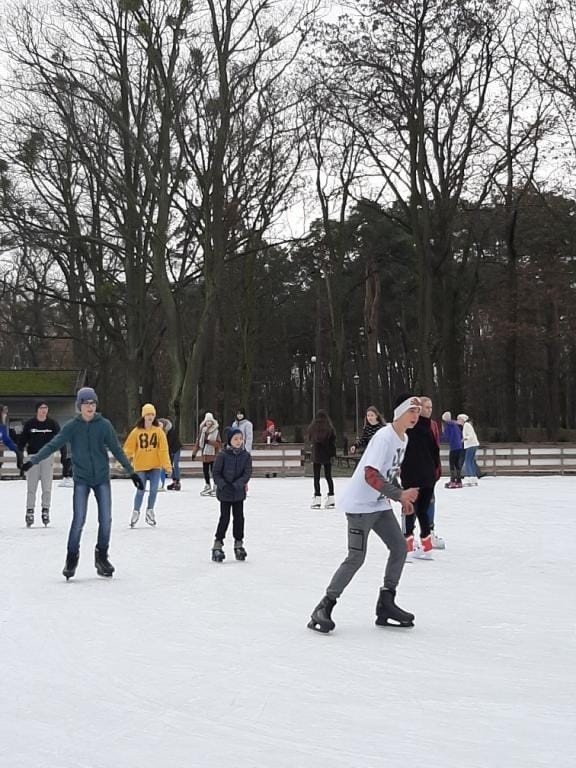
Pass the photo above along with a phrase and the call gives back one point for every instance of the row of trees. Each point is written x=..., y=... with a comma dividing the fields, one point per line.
x=154, y=156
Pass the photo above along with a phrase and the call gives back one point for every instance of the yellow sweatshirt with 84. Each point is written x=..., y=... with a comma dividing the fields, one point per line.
x=148, y=449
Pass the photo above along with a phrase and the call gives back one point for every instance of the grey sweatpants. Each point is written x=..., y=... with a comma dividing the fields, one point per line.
x=39, y=473
x=386, y=526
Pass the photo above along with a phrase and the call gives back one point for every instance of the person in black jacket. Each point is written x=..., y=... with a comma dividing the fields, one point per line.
x=322, y=438
x=174, y=448
x=420, y=469
x=372, y=423
x=37, y=433
x=231, y=472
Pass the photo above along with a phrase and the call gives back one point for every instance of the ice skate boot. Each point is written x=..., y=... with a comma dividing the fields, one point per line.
x=424, y=552
x=29, y=518
x=330, y=502
x=135, y=517
x=206, y=490
x=150, y=517
x=409, y=549
x=437, y=541
x=66, y=482
x=239, y=551
x=45, y=516
x=174, y=485
x=212, y=491
x=321, y=617
x=388, y=614
x=71, y=565
x=103, y=566
x=218, y=555
x=316, y=502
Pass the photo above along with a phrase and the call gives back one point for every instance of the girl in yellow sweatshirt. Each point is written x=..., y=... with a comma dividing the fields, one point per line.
x=147, y=448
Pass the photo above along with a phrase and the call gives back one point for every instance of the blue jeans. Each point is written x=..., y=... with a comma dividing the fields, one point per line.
x=470, y=466
x=103, y=495
x=175, y=459
x=153, y=477
x=431, y=511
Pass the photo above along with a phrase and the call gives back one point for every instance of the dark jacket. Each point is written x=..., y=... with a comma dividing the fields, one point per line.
x=36, y=434
x=174, y=444
x=323, y=449
x=368, y=432
x=90, y=442
x=419, y=467
x=231, y=471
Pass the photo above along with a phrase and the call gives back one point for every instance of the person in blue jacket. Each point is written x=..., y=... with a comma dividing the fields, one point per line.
x=5, y=439
x=452, y=434
x=90, y=436
x=232, y=471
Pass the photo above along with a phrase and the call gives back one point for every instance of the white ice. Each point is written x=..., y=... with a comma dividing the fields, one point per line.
x=185, y=663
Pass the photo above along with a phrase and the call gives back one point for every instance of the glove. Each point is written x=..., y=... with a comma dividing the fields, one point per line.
x=137, y=480
x=26, y=466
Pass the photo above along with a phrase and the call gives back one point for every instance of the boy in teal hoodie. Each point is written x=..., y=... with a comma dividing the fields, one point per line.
x=91, y=436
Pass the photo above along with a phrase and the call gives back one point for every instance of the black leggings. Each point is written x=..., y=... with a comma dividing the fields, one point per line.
x=207, y=468
x=237, y=508
x=421, y=512
x=327, y=475
x=456, y=461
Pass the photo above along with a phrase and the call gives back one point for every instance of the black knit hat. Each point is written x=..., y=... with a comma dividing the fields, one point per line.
x=231, y=433
x=40, y=403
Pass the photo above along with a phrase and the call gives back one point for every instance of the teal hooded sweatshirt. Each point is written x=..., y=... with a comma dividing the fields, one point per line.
x=90, y=442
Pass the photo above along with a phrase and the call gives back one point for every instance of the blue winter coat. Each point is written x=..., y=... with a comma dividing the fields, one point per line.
x=232, y=469
x=6, y=439
x=452, y=435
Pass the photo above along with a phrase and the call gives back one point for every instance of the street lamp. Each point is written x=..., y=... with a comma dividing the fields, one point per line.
x=356, y=382
x=313, y=361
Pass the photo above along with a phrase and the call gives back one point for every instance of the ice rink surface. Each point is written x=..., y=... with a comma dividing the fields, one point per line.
x=179, y=662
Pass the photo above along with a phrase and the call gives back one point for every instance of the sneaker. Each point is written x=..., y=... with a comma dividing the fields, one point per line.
x=316, y=502
x=29, y=518
x=150, y=517
x=66, y=482
x=330, y=502
x=437, y=542
x=135, y=517
x=45, y=516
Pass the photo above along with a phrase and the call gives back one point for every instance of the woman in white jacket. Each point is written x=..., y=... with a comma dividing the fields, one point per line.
x=471, y=443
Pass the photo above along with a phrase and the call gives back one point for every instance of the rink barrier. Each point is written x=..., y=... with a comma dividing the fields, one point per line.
x=278, y=460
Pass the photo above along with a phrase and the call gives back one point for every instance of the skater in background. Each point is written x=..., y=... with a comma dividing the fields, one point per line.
x=66, y=461
x=420, y=467
x=366, y=502
x=471, y=443
x=6, y=440
x=452, y=434
x=245, y=426
x=166, y=425
x=373, y=421
x=174, y=448
x=232, y=471
x=147, y=449
x=208, y=444
x=91, y=436
x=36, y=433
x=427, y=407
x=322, y=439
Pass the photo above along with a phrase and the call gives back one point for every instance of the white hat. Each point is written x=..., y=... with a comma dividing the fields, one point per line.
x=446, y=416
x=208, y=417
x=462, y=417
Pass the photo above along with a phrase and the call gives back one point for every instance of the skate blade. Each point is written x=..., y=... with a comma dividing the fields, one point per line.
x=322, y=628
x=395, y=624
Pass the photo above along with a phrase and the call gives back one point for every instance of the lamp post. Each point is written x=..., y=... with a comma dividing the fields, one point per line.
x=313, y=361
x=356, y=382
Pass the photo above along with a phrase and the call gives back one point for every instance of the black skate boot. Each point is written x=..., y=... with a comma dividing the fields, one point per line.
x=45, y=516
x=218, y=555
x=103, y=566
x=239, y=551
x=174, y=485
x=321, y=618
x=71, y=565
x=388, y=614
x=29, y=518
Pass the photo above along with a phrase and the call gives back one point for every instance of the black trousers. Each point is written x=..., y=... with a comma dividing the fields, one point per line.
x=327, y=475
x=237, y=509
x=456, y=461
x=207, y=468
x=421, y=512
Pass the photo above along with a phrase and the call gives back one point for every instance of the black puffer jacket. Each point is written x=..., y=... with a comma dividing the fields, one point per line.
x=232, y=470
x=368, y=432
x=422, y=457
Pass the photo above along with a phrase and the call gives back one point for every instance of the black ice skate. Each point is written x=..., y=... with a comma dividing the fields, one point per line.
x=388, y=614
x=46, y=516
x=321, y=618
x=103, y=566
x=174, y=486
x=29, y=518
x=71, y=565
x=218, y=555
x=239, y=551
